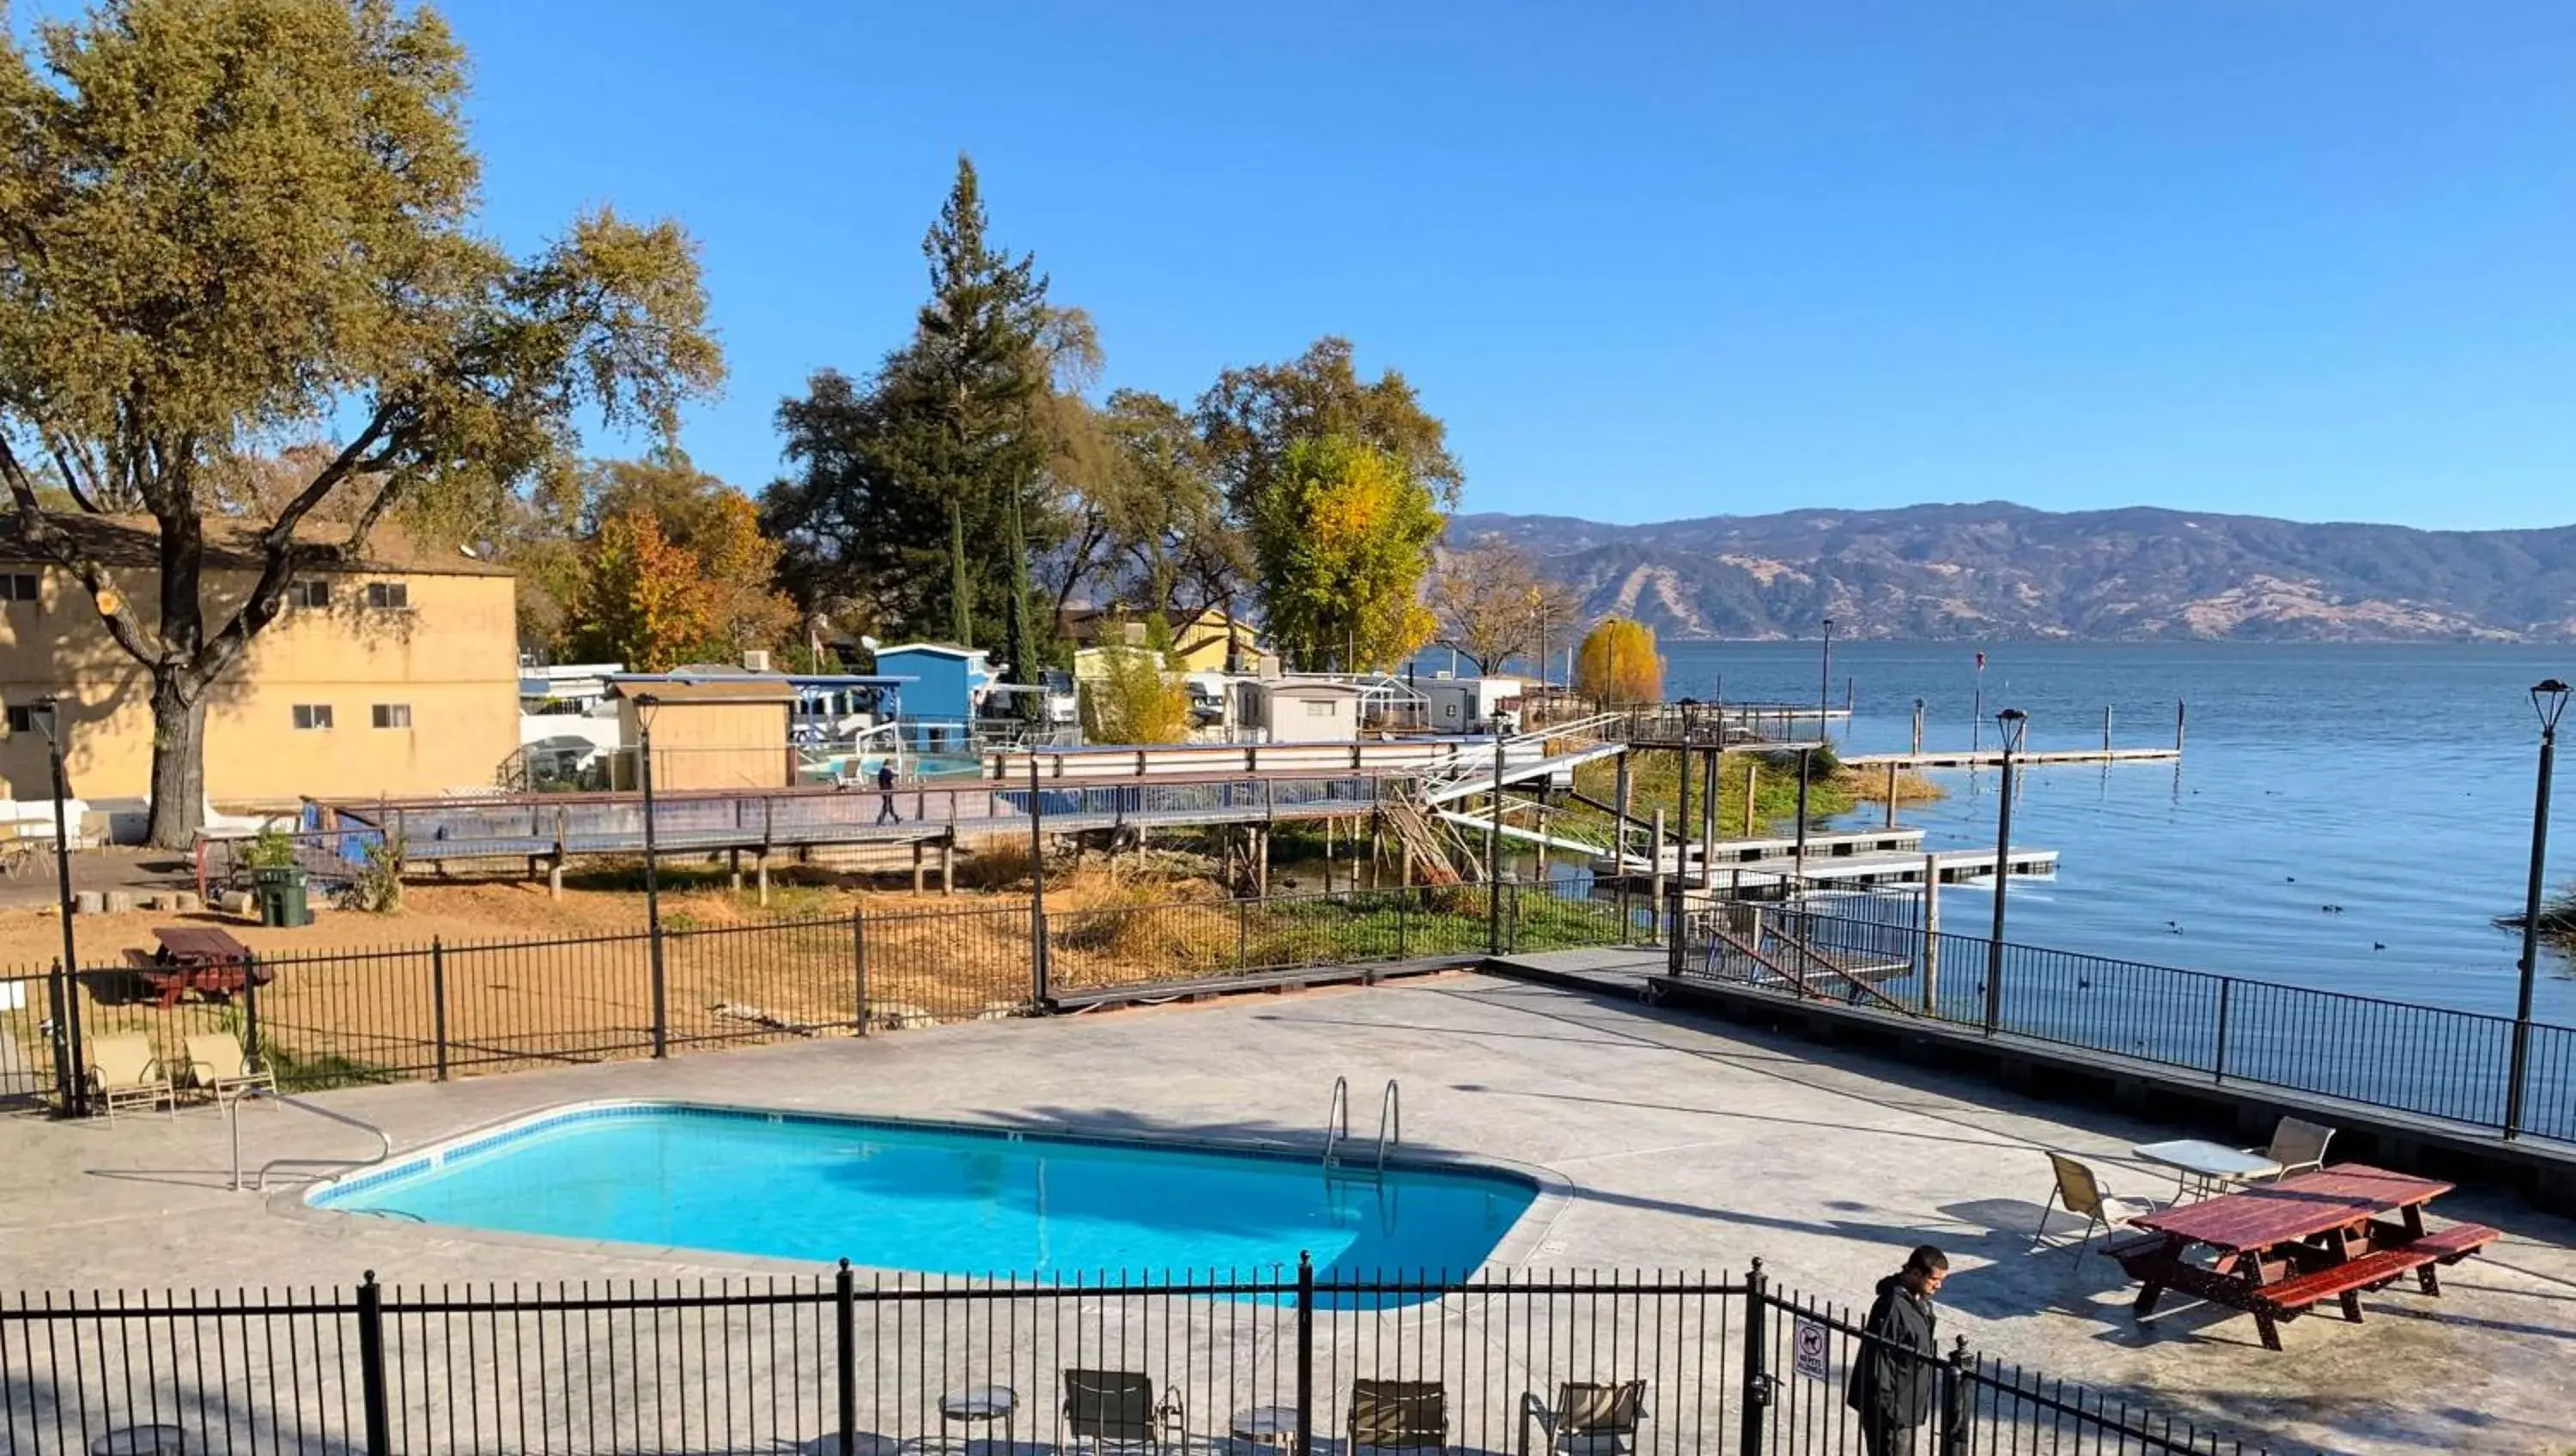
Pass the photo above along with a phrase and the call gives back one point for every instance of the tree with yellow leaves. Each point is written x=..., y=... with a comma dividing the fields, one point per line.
x=1618, y=663
x=1341, y=538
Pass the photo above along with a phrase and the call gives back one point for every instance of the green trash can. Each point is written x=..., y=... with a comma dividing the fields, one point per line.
x=280, y=890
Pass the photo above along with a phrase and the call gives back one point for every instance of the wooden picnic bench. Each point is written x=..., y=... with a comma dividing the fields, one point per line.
x=202, y=959
x=2280, y=1249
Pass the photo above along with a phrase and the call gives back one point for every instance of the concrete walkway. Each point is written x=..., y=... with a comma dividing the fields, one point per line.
x=1691, y=1147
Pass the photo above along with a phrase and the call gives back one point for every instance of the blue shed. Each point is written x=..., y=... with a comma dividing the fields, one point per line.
x=947, y=683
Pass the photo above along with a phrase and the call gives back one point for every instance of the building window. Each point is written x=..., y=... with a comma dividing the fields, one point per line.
x=21, y=586
x=22, y=720
x=308, y=593
x=389, y=596
x=312, y=715
x=393, y=715
x=1319, y=708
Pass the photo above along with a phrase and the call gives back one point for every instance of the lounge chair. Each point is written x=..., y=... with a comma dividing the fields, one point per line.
x=1116, y=1408
x=1587, y=1420
x=2081, y=1191
x=221, y=1067
x=125, y=1072
x=1399, y=1415
x=2299, y=1147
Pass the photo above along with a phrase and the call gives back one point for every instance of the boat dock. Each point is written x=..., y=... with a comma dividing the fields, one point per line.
x=1994, y=757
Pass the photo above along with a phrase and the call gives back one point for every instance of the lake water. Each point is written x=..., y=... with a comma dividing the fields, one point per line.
x=2393, y=781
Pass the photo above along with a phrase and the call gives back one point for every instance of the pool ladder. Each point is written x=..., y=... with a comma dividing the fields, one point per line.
x=1337, y=1120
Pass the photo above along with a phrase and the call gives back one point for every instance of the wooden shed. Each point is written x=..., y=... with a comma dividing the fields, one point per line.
x=714, y=733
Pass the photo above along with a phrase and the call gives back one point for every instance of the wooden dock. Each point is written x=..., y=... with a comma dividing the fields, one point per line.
x=1883, y=868
x=1994, y=757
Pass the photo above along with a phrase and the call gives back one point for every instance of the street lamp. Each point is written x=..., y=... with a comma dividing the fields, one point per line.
x=2548, y=699
x=2009, y=725
x=645, y=704
x=47, y=715
x=1825, y=680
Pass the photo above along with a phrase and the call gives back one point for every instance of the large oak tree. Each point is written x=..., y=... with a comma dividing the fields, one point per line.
x=227, y=226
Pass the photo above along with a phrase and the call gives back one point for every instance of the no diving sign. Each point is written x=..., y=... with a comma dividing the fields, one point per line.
x=1808, y=1339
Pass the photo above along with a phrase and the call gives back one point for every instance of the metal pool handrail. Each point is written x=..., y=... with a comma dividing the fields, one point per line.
x=232, y=1115
x=1337, y=1118
x=1390, y=1121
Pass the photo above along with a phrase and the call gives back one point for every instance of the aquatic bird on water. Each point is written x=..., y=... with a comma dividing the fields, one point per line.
x=2292, y=879
x=2379, y=945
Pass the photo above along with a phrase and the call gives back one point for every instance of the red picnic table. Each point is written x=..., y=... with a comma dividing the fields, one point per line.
x=2280, y=1248
x=196, y=958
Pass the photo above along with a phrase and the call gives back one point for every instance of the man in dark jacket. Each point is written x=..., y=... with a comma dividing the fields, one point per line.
x=1896, y=1378
x=887, y=813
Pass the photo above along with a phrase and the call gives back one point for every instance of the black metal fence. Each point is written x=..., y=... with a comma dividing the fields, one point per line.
x=453, y=1008
x=2432, y=1061
x=1280, y=1359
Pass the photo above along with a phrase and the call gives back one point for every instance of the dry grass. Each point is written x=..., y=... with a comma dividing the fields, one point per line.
x=1869, y=786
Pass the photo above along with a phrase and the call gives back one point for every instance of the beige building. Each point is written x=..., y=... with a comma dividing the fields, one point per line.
x=395, y=675
x=718, y=733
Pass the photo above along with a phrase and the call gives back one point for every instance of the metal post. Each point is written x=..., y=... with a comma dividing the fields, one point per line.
x=2218, y=1050
x=859, y=963
x=1752, y=784
x=71, y=1057
x=2106, y=730
x=1955, y=1415
x=1757, y=1378
x=1493, y=860
x=250, y=1009
x=371, y=1367
x=1931, y=933
x=1037, y=890
x=1891, y=793
x=1682, y=810
x=2181, y=711
x=644, y=706
x=2009, y=724
x=1825, y=681
x=2549, y=699
x=59, y=992
x=1708, y=824
x=438, y=1001
x=1677, y=946
x=1305, y=1354
x=1655, y=872
x=845, y=1323
x=1805, y=757
x=1918, y=727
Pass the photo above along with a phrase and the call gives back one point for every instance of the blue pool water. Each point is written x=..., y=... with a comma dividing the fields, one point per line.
x=936, y=1199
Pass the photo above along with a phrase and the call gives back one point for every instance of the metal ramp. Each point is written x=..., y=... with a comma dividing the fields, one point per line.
x=1471, y=778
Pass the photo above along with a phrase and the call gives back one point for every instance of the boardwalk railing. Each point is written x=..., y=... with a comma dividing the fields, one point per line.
x=2430, y=1061
x=1295, y=1359
x=443, y=1009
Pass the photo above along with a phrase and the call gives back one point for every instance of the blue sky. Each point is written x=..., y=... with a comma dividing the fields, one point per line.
x=2299, y=257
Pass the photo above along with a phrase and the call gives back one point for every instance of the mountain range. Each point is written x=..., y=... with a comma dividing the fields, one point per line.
x=1997, y=570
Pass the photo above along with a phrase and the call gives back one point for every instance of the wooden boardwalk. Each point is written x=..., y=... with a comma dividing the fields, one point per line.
x=1993, y=757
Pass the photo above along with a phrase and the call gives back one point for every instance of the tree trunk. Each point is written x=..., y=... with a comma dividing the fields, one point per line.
x=178, y=763
x=961, y=600
x=1019, y=634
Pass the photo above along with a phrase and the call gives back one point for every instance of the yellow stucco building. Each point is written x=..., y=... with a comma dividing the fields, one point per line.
x=395, y=675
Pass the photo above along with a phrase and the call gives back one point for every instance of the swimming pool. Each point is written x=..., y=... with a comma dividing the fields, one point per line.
x=937, y=1198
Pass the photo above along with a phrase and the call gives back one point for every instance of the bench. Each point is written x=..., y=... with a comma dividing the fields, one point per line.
x=2343, y=1282
x=2450, y=1246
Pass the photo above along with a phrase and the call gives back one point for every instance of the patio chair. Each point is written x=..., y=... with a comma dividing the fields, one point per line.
x=125, y=1072
x=2080, y=1189
x=2299, y=1147
x=221, y=1067
x=1587, y=1420
x=1116, y=1408
x=1399, y=1415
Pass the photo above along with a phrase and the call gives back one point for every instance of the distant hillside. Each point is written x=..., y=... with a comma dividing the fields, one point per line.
x=1997, y=570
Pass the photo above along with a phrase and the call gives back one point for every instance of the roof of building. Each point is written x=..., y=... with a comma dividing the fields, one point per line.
x=711, y=690
x=1297, y=688
x=941, y=649
x=133, y=543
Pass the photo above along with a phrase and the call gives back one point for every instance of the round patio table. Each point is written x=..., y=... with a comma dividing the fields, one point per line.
x=1266, y=1425
x=981, y=1405
x=141, y=1441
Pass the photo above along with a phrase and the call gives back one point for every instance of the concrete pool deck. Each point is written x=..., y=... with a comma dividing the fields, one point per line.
x=1690, y=1145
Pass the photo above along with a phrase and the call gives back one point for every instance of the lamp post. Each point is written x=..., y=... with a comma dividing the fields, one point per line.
x=69, y=1072
x=2008, y=726
x=2548, y=699
x=1825, y=680
x=645, y=703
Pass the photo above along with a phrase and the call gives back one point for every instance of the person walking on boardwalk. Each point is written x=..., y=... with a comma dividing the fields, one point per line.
x=887, y=813
x=1896, y=1376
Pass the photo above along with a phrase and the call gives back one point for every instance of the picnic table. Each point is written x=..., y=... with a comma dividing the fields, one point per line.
x=198, y=958
x=2280, y=1248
